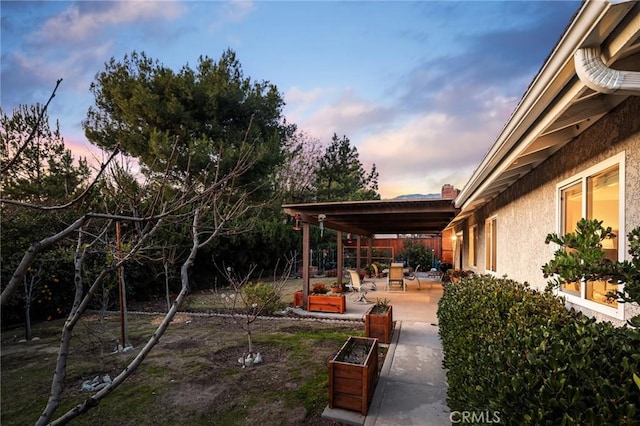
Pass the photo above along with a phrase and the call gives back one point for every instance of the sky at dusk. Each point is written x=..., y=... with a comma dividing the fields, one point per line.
x=421, y=89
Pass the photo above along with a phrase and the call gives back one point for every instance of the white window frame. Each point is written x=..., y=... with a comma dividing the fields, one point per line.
x=619, y=160
x=487, y=261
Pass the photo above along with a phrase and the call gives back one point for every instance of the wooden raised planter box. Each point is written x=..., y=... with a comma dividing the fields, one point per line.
x=297, y=299
x=379, y=326
x=351, y=385
x=327, y=303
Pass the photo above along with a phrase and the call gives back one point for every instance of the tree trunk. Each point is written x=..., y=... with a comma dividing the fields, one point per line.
x=166, y=284
x=249, y=339
x=28, y=297
x=27, y=321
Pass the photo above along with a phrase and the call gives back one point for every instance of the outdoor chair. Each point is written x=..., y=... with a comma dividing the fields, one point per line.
x=376, y=272
x=396, y=276
x=370, y=283
x=414, y=277
x=359, y=290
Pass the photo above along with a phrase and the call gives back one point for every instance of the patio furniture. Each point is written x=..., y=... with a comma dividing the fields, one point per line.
x=434, y=275
x=413, y=276
x=396, y=276
x=405, y=270
x=359, y=290
x=376, y=273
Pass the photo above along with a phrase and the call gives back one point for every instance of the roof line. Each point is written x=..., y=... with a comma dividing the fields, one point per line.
x=546, y=85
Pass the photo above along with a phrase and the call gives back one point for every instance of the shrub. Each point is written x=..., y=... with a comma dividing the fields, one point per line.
x=510, y=349
x=580, y=257
x=415, y=253
x=381, y=306
x=263, y=297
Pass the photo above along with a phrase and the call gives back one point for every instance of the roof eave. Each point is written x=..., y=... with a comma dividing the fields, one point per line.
x=533, y=115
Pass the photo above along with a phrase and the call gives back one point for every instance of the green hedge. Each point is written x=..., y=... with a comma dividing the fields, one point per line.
x=513, y=350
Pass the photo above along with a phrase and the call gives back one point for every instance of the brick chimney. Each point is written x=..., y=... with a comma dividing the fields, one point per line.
x=449, y=192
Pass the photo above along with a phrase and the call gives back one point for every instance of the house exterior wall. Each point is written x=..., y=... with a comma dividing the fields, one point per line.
x=527, y=210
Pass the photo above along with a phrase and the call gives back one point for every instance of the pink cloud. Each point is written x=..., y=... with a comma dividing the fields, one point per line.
x=82, y=148
x=348, y=115
x=420, y=153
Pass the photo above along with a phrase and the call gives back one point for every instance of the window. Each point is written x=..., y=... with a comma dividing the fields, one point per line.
x=571, y=197
x=491, y=233
x=594, y=194
x=473, y=244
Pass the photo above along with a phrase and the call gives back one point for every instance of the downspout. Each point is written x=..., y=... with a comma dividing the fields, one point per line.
x=597, y=76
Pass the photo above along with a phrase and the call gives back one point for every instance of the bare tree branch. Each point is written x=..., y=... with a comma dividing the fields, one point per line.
x=213, y=203
x=153, y=340
x=72, y=202
x=36, y=126
x=31, y=253
x=81, y=303
x=44, y=244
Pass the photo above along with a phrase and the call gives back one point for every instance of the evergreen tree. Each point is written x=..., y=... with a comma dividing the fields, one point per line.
x=341, y=176
x=43, y=170
x=157, y=115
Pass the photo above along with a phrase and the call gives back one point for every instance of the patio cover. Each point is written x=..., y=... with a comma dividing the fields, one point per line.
x=367, y=218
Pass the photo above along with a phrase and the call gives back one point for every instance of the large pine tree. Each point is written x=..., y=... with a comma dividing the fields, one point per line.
x=156, y=114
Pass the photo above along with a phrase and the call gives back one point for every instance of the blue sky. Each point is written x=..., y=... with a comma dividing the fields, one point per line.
x=422, y=89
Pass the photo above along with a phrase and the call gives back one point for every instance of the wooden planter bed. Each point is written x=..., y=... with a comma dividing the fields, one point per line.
x=379, y=326
x=327, y=303
x=351, y=385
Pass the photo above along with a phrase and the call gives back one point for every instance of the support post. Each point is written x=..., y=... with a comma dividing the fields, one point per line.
x=306, y=246
x=340, y=258
x=121, y=294
x=358, y=256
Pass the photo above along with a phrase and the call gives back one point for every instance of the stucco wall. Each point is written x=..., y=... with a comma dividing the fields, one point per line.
x=527, y=212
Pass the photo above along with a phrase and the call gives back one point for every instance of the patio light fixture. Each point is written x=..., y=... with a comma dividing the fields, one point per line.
x=321, y=218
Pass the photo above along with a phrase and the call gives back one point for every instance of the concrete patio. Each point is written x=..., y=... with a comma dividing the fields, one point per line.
x=412, y=386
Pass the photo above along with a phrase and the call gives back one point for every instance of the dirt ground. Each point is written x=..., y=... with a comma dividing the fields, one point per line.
x=220, y=388
x=193, y=374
